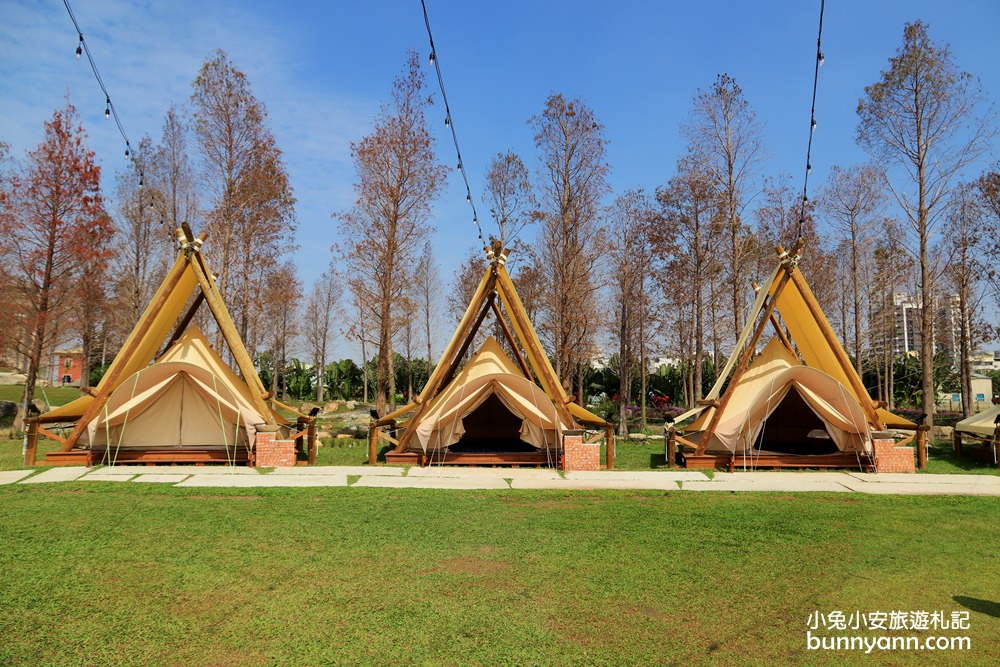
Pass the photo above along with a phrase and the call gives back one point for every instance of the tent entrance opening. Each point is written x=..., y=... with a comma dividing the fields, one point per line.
x=491, y=429
x=793, y=428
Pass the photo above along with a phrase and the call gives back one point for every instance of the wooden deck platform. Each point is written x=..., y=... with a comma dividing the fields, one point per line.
x=775, y=461
x=491, y=459
x=197, y=456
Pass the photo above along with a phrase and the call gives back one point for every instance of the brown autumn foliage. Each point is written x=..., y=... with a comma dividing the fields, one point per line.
x=572, y=182
x=54, y=226
x=398, y=176
x=251, y=216
x=726, y=142
x=922, y=120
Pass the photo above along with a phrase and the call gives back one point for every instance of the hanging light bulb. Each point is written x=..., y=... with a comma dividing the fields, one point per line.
x=460, y=165
x=813, y=126
x=809, y=168
x=447, y=120
x=107, y=109
x=468, y=197
x=79, y=48
x=432, y=58
x=127, y=151
x=141, y=180
x=820, y=58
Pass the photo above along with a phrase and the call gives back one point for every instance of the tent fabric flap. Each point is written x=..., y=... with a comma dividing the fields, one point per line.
x=981, y=424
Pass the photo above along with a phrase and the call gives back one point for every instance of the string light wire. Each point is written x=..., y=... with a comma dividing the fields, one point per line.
x=109, y=110
x=812, y=119
x=449, y=123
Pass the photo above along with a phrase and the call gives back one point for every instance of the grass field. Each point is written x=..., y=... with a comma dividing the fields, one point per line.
x=104, y=574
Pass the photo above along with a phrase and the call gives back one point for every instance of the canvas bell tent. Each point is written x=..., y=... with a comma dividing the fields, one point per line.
x=491, y=411
x=979, y=435
x=188, y=406
x=799, y=402
x=189, y=399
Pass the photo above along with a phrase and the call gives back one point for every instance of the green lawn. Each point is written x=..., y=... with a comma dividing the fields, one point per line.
x=144, y=574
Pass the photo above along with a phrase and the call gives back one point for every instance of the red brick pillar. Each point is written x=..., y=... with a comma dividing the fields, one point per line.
x=890, y=458
x=579, y=455
x=274, y=453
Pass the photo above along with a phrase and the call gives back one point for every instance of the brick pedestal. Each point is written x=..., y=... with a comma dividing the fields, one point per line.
x=578, y=455
x=890, y=458
x=274, y=453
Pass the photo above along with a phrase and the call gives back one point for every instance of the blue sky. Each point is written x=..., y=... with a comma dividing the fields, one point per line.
x=322, y=69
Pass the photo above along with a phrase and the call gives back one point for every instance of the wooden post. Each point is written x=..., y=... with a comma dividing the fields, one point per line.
x=372, y=444
x=30, y=441
x=922, y=446
x=669, y=444
x=996, y=444
x=956, y=443
x=311, y=440
x=609, y=453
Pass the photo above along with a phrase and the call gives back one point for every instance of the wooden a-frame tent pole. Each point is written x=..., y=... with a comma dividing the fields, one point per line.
x=110, y=382
x=748, y=351
x=449, y=359
x=518, y=357
x=864, y=398
x=214, y=300
x=532, y=346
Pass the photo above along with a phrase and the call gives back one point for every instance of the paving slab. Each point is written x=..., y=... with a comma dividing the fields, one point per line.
x=465, y=472
x=803, y=477
x=432, y=483
x=61, y=474
x=636, y=475
x=174, y=470
x=380, y=471
x=99, y=477
x=246, y=481
x=924, y=488
x=168, y=479
x=766, y=485
x=913, y=478
x=567, y=484
x=11, y=476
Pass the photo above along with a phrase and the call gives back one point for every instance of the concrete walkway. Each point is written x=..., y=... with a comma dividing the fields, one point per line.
x=440, y=477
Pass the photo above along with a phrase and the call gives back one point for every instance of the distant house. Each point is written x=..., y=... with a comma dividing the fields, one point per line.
x=982, y=395
x=67, y=367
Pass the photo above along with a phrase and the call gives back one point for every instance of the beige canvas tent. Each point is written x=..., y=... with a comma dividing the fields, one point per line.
x=188, y=399
x=489, y=406
x=799, y=402
x=979, y=435
x=780, y=405
x=496, y=409
x=188, y=369
x=983, y=424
